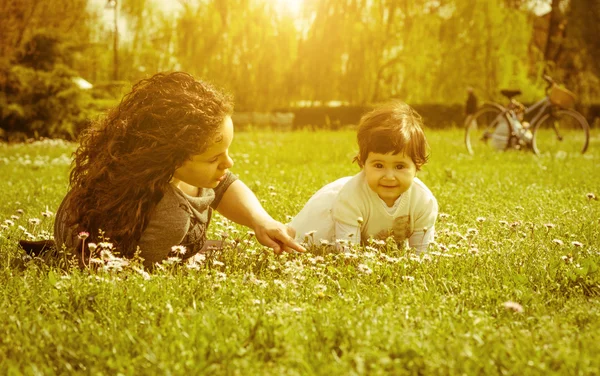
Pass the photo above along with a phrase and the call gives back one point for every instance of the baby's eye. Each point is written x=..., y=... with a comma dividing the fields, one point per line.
x=378, y=165
x=399, y=167
x=214, y=160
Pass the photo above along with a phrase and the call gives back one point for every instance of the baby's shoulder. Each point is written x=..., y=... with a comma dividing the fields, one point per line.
x=419, y=189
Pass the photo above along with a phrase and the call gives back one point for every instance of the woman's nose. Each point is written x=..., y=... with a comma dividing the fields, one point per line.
x=228, y=162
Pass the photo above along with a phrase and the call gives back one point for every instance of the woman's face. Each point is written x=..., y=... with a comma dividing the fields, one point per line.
x=208, y=169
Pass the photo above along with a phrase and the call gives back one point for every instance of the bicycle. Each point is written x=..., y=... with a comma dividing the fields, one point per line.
x=553, y=126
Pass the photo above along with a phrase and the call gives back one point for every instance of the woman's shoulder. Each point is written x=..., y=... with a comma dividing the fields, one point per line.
x=172, y=206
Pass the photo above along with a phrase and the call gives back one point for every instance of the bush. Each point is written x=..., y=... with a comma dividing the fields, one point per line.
x=39, y=103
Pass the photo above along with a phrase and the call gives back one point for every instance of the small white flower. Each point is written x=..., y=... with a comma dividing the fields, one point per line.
x=408, y=278
x=481, y=219
x=82, y=235
x=360, y=220
x=513, y=306
x=364, y=269
x=34, y=221
x=577, y=244
x=179, y=249
x=105, y=245
x=558, y=242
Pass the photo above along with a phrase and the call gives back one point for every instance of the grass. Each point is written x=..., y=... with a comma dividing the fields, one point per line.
x=516, y=228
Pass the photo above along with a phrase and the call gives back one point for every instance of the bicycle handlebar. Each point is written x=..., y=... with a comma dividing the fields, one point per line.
x=549, y=80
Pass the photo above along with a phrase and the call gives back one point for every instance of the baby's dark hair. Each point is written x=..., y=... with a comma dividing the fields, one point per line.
x=393, y=127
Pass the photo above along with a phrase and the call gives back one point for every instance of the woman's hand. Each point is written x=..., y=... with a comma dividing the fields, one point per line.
x=240, y=205
x=276, y=235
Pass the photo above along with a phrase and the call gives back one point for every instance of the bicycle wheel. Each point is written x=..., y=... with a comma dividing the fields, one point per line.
x=487, y=129
x=561, y=132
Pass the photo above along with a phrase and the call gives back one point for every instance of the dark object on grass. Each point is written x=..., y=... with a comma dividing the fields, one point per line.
x=471, y=105
x=36, y=248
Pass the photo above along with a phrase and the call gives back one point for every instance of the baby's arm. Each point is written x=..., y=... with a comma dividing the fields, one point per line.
x=420, y=240
x=240, y=205
x=348, y=232
x=424, y=227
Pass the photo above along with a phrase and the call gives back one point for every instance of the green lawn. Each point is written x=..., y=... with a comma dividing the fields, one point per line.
x=516, y=228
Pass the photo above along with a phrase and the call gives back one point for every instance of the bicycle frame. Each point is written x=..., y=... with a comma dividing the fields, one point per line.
x=541, y=106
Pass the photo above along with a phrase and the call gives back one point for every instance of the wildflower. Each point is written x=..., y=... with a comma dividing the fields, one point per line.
x=311, y=233
x=408, y=278
x=47, y=214
x=472, y=231
x=279, y=283
x=250, y=233
x=179, y=249
x=22, y=228
x=549, y=225
x=105, y=245
x=567, y=258
x=558, y=242
x=142, y=272
x=513, y=306
x=83, y=235
x=8, y=222
x=577, y=244
x=14, y=217
x=34, y=221
x=20, y=211
x=590, y=196
x=218, y=263
x=481, y=219
x=474, y=251
x=503, y=223
x=92, y=246
x=360, y=220
x=515, y=224
x=444, y=215
x=324, y=242
x=364, y=269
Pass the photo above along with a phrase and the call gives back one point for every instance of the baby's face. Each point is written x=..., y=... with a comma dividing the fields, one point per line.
x=389, y=175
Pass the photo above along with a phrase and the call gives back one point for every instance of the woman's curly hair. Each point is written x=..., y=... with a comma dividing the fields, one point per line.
x=126, y=160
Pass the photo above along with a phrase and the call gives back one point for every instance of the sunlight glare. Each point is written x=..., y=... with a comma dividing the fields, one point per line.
x=292, y=6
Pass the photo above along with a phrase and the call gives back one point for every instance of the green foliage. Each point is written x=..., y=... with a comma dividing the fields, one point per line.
x=515, y=228
x=43, y=103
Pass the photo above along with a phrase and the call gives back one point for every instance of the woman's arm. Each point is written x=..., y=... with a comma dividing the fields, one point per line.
x=240, y=205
